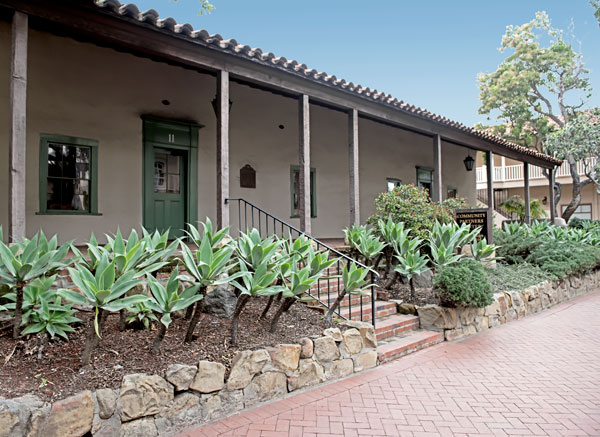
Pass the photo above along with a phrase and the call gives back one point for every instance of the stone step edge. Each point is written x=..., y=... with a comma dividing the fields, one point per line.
x=395, y=324
x=418, y=340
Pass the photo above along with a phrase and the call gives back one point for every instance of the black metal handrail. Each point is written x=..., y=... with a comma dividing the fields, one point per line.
x=246, y=220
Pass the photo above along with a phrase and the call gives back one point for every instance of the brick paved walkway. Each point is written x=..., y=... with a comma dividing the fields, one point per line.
x=537, y=376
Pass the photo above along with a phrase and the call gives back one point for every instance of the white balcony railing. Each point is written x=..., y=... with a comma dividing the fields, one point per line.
x=515, y=172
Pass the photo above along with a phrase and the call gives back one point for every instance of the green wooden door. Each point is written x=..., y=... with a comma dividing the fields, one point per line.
x=170, y=178
x=169, y=193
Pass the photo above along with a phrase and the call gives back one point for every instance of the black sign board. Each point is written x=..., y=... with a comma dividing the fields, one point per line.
x=247, y=177
x=478, y=217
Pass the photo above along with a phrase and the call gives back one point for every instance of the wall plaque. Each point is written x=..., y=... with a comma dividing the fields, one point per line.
x=478, y=217
x=247, y=177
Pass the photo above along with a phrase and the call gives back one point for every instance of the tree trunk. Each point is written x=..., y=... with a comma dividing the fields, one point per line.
x=241, y=303
x=268, y=307
x=576, y=191
x=162, y=329
x=92, y=339
x=18, y=310
x=389, y=259
x=335, y=305
x=189, y=312
x=412, y=288
x=122, y=320
x=195, y=319
x=377, y=261
x=285, y=305
x=393, y=280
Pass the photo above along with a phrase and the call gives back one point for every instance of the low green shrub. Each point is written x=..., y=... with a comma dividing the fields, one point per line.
x=506, y=277
x=564, y=258
x=514, y=248
x=463, y=283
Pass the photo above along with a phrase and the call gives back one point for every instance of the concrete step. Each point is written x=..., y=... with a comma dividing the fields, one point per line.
x=407, y=343
x=394, y=325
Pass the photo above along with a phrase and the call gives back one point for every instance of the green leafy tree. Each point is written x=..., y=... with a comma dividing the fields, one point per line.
x=596, y=6
x=516, y=205
x=530, y=92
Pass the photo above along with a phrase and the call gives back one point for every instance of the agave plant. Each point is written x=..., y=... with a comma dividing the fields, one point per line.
x=297, y=276
x=411, y=264
x=354, y=282
x=298, y=249
x=394, y=235
x=259, y=281
x=52, y=317
x=140, y=314
x=442, y=255
x=452, y=235
x=166, y=300
x=482, y=251
x=27, y=260
x=370, y=248
x=104, y=291
x=208, y=266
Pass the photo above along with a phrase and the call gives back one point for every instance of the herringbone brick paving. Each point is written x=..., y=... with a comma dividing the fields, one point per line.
x=536, y=376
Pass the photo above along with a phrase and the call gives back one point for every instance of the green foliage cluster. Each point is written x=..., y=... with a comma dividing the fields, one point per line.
x=109, y=278
x=507, y=277
x=558, y=251
x=463, y=284
x=412, y=206
x=564, y=258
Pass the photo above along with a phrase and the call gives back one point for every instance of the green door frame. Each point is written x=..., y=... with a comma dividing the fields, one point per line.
x=156, y=133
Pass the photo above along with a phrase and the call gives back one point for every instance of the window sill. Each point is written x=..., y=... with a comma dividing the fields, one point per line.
x=297, y=216
x=68, y=213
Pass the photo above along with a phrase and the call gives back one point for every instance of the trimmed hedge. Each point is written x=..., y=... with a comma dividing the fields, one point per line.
x=464, y=283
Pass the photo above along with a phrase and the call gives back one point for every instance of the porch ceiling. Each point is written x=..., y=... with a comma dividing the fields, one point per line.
x=123, y=26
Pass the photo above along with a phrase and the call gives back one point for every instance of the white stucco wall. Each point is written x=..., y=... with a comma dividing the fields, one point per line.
x=82, y=90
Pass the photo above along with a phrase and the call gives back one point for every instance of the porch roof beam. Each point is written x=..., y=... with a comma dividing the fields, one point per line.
x=89, y=22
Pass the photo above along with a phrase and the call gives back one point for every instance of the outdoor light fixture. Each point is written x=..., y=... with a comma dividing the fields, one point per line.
x=469, y=161
x=214, y=105
x=545, y=200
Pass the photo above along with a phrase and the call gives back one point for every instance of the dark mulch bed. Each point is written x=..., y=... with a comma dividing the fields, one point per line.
x=400, y=291
x=57, y=374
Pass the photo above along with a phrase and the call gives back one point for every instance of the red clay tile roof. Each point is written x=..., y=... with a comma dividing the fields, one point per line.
x=231, y=46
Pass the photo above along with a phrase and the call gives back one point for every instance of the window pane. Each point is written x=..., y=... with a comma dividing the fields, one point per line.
x=53, y=194
x=54, y=160
x=160, y=177
x=173, y=164
x=173, y=186
x=391, y=186
x=69, y=161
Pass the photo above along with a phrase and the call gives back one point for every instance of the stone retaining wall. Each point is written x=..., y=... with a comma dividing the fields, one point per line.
x=149, y=405
x=465, y=321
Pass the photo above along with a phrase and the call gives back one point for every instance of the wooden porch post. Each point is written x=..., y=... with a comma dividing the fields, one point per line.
x=354, y=187
x=304, y=194
x=489, y=158
x=17, y=129
x=527, y=194
x=552, y=204
x=437, y=195
x=222, y=148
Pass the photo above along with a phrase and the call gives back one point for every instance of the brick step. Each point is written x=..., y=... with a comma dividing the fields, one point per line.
x=407, y=343
x=394, y=325
x=348, y=299
x=382, y=309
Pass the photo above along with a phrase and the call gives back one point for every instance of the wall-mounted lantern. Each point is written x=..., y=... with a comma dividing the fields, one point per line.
x=469, y=162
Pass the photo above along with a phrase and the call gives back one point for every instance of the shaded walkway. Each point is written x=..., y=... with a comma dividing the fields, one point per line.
x=536, y=376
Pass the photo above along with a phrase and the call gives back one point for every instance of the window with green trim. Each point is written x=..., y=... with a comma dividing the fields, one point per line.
x=393, y=183
x=295, y=190
x=68, y=175
x=425, y=178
